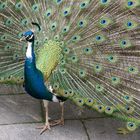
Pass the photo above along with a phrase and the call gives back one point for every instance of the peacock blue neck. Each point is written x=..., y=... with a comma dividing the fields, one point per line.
x=34, y=81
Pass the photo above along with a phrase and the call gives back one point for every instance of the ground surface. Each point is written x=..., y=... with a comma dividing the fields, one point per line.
x=20, y=114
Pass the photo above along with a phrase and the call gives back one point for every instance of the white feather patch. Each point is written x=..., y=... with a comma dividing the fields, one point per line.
x=51, y=89
x=54, y=99
x=29, y=50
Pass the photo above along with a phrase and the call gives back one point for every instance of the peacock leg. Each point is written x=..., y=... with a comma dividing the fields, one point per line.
x=47, y=124
x=61, y=120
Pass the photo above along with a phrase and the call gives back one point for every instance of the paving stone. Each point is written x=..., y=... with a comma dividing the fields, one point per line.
x=11, y=89
x=106, y=129
x=19, y=109
x=71, y=111
x=72, y=130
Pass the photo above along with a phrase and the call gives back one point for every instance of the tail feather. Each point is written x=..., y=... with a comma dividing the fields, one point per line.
x=90, y=50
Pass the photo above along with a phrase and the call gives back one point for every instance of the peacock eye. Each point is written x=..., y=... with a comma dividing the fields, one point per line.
x=98, y=37
x=48, y=14
x=124, y=42
x=131, y=124
x=128, y=108
x=83, y=4
x=127, y=97
x=97, y=67
x=89, y=101
x=129, y=24
x=65, y=12
x=108, y=108
x=103, y=21
x=130, y=3
x=104, y=1
x=80, y=101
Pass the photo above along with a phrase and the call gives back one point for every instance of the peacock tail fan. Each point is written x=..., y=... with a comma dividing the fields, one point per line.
x=88, y=50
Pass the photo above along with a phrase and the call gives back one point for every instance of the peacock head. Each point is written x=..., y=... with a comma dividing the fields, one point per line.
x=29, y=36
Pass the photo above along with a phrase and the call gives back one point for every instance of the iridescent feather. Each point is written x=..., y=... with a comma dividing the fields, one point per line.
x=88, y=50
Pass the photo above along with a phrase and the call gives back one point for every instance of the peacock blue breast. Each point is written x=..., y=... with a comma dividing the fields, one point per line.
x=34, y=81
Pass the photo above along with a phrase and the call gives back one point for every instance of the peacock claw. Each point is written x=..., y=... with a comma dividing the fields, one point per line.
x=123, y=131
x=51, y=123
x=44, y=128
x=57, y=122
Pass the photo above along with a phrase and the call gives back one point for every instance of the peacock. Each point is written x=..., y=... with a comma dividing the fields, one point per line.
x=87, y=51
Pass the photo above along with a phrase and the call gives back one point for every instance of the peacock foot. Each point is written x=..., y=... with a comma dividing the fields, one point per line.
x=50, y=124
x=123, y=131
x=57, y=122
x=44, y=128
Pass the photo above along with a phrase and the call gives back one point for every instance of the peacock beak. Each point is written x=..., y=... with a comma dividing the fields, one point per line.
x=23, y=38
